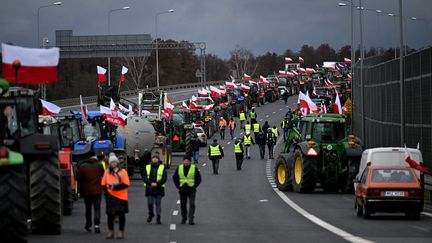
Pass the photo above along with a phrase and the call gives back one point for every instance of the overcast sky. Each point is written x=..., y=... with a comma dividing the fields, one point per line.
x=259, y=25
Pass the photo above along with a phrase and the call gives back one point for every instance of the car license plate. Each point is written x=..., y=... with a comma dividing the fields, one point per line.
x=394, y=194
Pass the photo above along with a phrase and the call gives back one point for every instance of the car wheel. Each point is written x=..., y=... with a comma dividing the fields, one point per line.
x=359, y=210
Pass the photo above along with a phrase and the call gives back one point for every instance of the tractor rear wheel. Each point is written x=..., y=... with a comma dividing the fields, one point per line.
x=45, y=196
x=304, y=172
x=13, y=203
x=281, y=175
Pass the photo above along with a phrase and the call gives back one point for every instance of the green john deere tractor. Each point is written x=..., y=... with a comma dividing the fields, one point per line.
x=30, y=177
x=321, y=151
x=180, y=131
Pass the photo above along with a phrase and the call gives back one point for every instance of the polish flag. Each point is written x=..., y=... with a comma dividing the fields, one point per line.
x=349, y=76
x=301, y=60
x=232, y=79
x=252, y=82
x=230, y=85
x=290, y=74
x=184, y=106
x=317, y=66
x=244, y=88
x=294, y=72
x=310, y=70
x=123, y=73
x=314, y=92
x=263, y=80
x=288, y=59
x=202, y=92
x=347, y=61
x=247, y=77
x=282, y=73
x=323, y=108
x=337, y=108
x=37, y=66
x=329, y=82
x=113, y=115
x=84, y=111
x=215, y=92
x=101, y=74
x=276, y=78
x=49, y=108
x=222, y=90
x=168, y=107
x=306, y=102
x=301, y=70
x=412, y=163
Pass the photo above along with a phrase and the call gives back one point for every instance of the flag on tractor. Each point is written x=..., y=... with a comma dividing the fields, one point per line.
x=123, y=73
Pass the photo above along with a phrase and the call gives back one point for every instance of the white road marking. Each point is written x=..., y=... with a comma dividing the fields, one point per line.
x=173, y=242
x=178, y=201
x=260, y=119
x=175, y=212
x=419, y=228
x=280, y=109
x=223, y=147
x=204, y=164
x=263, y=200
x=267, y=115
x=229, y=143
x=172, y=227
x=241, y=133
x=427, y=214
x=274, y=112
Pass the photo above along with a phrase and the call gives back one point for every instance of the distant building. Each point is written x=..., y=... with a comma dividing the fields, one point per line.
x=93, y=46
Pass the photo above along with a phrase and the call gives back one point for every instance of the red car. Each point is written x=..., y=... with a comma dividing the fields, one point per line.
x=389, y=189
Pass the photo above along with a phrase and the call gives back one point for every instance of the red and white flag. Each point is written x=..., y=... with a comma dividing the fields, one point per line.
x=202, y=92
x=232, y=79
x=412, y=163
x=301, y=60
x=288, y=60
x=84, y=111
x=307, y=103
x=263, y=80
x=282, y=73
x=252, y=82
x=337, y=108
x=323, y=108
x=123, y=73
x=244, y=87
x=168, y=107
x=310, y=70
x=37, y=66
x=230, y=85
x=247, y=77
x=294, y=72
x=101, y=74
x=347, y=61
x=317, y=66
x=184, y=106
x=290, y=74
x=113, y=115
x=349, y=76
x=215, y=92
x=301, y=70
x=49, y=108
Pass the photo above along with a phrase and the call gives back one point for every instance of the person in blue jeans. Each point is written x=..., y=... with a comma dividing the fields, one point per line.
x=260, y=140
x=155, y=177
x=195, y=142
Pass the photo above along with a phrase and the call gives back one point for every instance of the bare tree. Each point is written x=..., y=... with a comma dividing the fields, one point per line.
x=243, y=61
x=136, y=73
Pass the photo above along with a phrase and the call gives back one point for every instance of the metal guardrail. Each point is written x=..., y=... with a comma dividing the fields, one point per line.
x=128, y=93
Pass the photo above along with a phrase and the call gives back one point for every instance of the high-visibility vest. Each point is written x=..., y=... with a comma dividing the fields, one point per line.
x=248, y=128
x=231, y=125
x=118, y=178
x=252, y=115
x=237, y=148
x=222, y=123
x=215, y=151
x=247, y=140
x=284, y=124
x=188, y=179
x=256, y=127
x=159, y=175
x=104, y=165
x=242, y=116
x=275, y=132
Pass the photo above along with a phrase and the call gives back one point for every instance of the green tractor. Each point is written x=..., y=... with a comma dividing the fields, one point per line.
x=180, y=131
x=321, y=151
x=30, y=177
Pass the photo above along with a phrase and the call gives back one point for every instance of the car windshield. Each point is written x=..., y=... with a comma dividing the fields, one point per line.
x=328, y=131
x=282, y=81
x=92, y=131
x=392, y=175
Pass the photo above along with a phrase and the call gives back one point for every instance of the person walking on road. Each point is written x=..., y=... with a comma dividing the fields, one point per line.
x=222, y=126
x=261, y=141
x=270, y=139
x=248, y=141
x=231, y=127
x=116, y=183
x=155, y=177
x=265, y=127
x=289, y=114
x=285, y=96
x=89, y=177
x=256, y=129
x=248, y=127
x=253, y=115
x=187, y=178
x=286, y=125
x=275, y=132
x=242, y=118
x=196, y=143
x=239, y=153
x=215, y=153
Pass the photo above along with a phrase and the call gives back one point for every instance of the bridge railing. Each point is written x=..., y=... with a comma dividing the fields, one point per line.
x=130, y=93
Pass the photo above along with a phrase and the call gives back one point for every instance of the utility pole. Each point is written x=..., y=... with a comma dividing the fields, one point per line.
x=401, y=74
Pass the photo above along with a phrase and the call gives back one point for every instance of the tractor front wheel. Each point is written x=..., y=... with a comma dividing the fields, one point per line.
x=304, y=172
x=281, y=175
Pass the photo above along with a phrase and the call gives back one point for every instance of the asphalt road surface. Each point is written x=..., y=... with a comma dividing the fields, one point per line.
x=244, y=206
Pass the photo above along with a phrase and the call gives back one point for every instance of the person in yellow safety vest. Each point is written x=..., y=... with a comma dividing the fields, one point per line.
x=187, y=178
x=215, y=153
x=103, y=159
x=256, y=129
x=242, y=118
x=154, y=177
x=253, y=115
x=248, y=141
x=248, y=127
x=286, y=125
x=271, y=141
x=239, y=153
x=275, y=132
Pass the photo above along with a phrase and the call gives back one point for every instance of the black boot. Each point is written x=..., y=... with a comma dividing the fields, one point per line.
x=158, y=220
x=150, y=218
x=183, y=221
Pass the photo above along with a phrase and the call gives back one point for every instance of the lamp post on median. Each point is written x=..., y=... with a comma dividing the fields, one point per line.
x=394, y=18
x=157, y=49
x=109, y=32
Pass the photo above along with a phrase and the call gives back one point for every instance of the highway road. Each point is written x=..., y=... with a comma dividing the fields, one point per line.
x=245, y=206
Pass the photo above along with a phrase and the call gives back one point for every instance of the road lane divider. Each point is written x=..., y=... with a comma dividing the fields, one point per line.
x=173, y=227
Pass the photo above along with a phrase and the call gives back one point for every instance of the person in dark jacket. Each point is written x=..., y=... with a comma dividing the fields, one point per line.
x=285, y=96
x=155, y=177
x=239, y=153
x=270, y=139
x=215, y=153
x=116, y=183
x=265, y=127
x=196, y=143
x=261, y=141
x=89, y=177
x=187, y=178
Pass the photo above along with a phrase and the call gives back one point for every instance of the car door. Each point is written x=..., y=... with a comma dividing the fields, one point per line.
x=362, y=187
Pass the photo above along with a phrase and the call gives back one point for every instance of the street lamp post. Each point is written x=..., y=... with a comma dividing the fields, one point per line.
x=42, y=87
x=394, y=18
x=109, y=31
x=363, y=126
x=378, y=12
x=157, y=48
x=401, y=74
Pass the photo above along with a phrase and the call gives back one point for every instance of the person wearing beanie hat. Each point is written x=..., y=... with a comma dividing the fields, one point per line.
x=154, y=177
x=116, y=183
x=215, y=153
x=187, y=178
